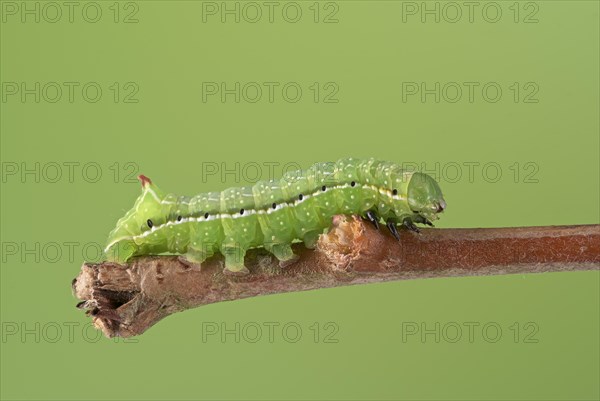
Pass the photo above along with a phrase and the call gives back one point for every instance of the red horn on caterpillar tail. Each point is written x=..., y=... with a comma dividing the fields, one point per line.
x=144, y=180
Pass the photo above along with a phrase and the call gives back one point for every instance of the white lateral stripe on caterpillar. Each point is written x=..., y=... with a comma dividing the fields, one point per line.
x=249, y=212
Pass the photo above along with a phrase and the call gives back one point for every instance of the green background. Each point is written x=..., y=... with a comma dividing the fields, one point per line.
x=170, y=132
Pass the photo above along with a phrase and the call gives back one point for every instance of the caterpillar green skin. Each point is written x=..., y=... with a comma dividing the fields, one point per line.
x=272, y=214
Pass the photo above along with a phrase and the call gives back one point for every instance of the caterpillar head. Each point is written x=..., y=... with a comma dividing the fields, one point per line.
x=129, y=237
x=425, y=196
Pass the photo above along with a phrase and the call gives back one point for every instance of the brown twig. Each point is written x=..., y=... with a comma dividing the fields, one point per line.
x=126, y=300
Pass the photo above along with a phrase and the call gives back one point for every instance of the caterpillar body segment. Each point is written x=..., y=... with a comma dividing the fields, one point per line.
x=272, y=214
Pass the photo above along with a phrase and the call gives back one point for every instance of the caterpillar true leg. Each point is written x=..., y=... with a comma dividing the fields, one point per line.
x=420, y=219
x=391, y=225
x=372, y=217
x=408, y=223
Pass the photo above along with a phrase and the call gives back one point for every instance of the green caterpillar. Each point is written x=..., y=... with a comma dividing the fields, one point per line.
x=272, y=214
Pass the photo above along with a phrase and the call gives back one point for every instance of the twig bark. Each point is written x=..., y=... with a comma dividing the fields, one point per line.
x=126, y=300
